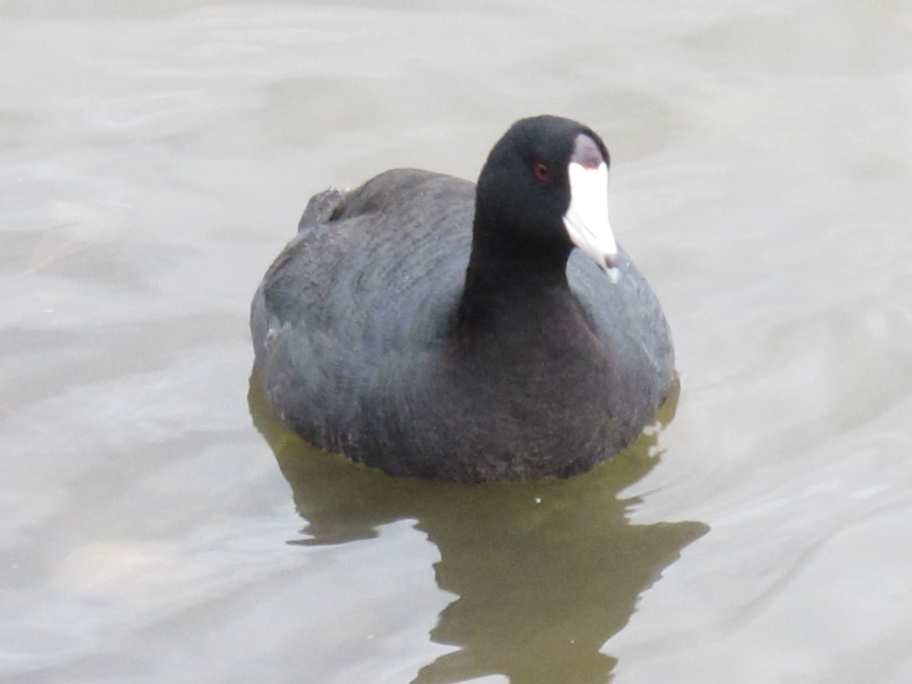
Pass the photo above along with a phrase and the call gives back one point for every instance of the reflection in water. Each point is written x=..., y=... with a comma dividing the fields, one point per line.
x=545, y=572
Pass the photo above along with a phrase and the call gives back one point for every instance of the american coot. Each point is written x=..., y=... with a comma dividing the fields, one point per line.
x=429, y=327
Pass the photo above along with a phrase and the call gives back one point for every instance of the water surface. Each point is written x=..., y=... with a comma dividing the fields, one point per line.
x=158, y=526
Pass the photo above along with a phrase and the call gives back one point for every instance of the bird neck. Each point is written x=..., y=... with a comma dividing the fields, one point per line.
x=512, y=285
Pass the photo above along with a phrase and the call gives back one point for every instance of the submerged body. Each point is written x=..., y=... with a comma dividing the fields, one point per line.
x=418, y=326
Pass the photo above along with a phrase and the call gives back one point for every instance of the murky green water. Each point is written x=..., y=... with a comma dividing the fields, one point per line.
x=156, y=525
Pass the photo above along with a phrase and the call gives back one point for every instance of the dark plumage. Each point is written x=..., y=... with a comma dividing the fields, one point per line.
x=378, y=337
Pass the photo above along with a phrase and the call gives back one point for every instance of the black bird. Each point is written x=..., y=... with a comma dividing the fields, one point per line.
x=432, y=328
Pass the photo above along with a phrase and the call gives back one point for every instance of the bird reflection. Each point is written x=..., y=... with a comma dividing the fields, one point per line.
x=545, y=572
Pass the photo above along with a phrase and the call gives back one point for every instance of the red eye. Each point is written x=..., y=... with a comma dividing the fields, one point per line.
x=542, y=172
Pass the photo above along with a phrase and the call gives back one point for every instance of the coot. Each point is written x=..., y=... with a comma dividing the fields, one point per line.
x=435, y=328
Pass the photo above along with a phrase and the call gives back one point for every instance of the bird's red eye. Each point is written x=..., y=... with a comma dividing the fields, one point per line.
x=542, y=172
